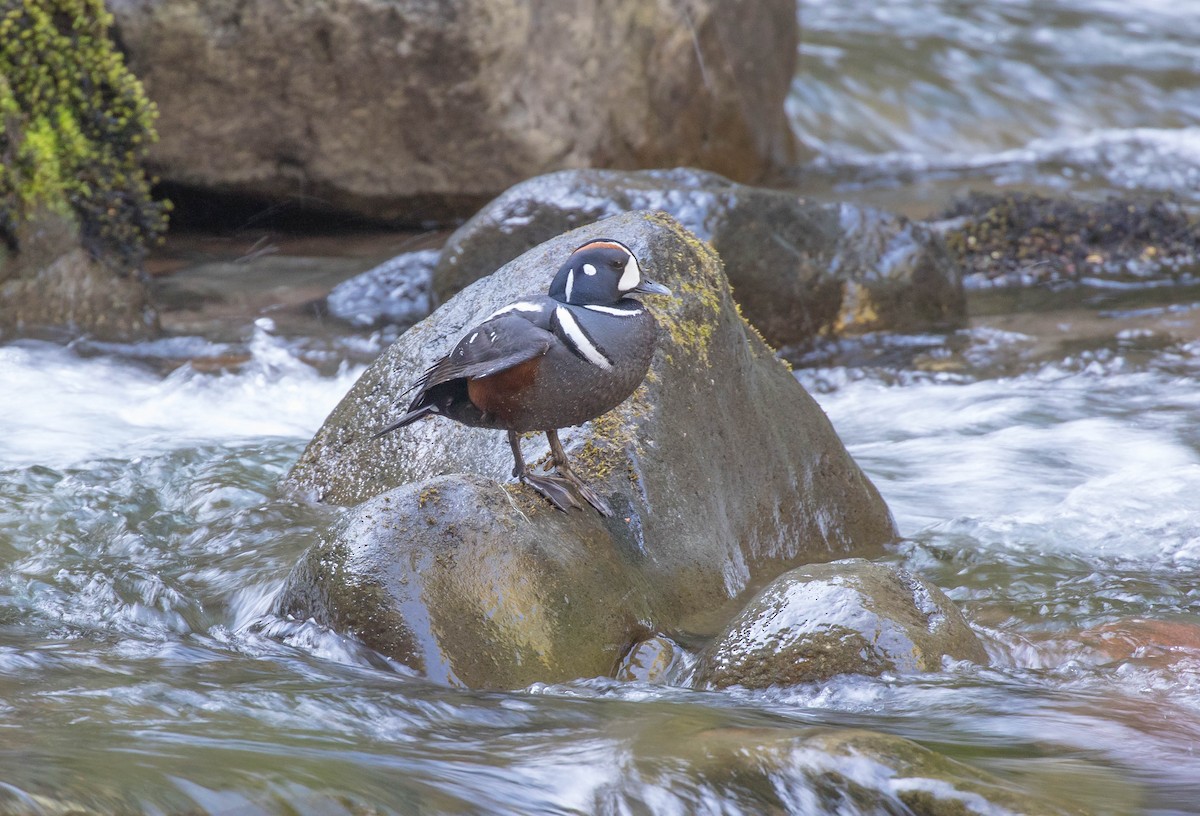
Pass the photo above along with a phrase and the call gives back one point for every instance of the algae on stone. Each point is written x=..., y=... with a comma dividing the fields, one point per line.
x=75, y=125
x=76, y=213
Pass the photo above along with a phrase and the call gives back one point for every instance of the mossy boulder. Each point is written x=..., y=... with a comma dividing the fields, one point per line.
x=722, y=470
x=846, y=617
x=799, y=269
x=76, y=215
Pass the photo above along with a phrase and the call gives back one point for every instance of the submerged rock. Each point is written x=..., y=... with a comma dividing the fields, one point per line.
x=815, y=770
x=852, y=616
x=799, y=269
x=394, y=293
x=418, y=111
x=722, y=471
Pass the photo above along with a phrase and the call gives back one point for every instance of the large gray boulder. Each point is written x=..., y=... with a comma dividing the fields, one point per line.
x=799, y=269
x=722, y=470
x=847, y=617
x=416, y=110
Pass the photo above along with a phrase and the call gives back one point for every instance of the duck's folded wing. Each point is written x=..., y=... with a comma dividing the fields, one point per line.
x=488, y=349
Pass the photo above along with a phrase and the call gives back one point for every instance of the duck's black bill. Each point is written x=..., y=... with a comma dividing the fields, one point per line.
x=649, y=287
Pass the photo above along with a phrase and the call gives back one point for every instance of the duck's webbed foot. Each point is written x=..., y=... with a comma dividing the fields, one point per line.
x=559, y=491
x=563, y=468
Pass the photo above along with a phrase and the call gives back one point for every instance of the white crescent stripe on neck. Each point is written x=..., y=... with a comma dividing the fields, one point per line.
x=613, y=310
x=570, y=284
x=579, y=340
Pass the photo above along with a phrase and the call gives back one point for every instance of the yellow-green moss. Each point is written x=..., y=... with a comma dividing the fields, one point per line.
x=690, y=318
x=74, y=128
x=611, y=438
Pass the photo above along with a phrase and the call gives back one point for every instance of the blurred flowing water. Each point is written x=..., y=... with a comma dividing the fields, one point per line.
x=909, y=102
x=1048, y=482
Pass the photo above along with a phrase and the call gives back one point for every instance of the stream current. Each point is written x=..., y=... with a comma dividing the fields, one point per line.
x=1043, y=470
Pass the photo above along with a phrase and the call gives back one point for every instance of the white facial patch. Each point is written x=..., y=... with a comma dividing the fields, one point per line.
x=631, y=277
x=589, y=270
x=613, y=310
x=520, y=306
x=570, y=284
x=579, y=340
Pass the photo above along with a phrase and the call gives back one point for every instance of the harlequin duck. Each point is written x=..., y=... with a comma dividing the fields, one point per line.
x=550, y=362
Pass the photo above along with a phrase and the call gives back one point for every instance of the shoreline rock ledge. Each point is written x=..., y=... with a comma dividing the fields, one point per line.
x=723, y=472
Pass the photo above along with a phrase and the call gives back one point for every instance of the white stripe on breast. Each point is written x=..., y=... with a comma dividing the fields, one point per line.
x=579, y=340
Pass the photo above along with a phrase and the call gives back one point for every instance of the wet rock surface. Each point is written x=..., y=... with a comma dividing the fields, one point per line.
x=822, y=620
x=454, y=577
x=799, y=269
x=54, y=285
x=722, y=470
x=416, y=111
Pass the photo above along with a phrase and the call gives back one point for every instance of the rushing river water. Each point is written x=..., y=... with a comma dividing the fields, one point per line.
x=1044, y=471
x=909, y=101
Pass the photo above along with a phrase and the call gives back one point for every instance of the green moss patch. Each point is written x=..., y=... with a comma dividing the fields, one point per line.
x=75, y=125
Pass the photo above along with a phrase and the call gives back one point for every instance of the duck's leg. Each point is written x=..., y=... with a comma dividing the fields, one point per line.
x=559, y=491
x=563, y=467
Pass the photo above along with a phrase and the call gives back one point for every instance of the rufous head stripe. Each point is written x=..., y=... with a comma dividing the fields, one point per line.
x=603, y=244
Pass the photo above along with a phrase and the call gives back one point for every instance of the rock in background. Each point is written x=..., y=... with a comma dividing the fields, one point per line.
x=774, y=770
x=722, y=470
x=415, y=111
x=799, y=270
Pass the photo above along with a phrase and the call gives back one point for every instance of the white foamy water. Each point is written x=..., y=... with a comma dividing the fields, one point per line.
x=60, y=409
x=1097, y=461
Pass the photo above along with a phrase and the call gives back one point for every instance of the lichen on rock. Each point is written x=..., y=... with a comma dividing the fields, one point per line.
x=1022, y=239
